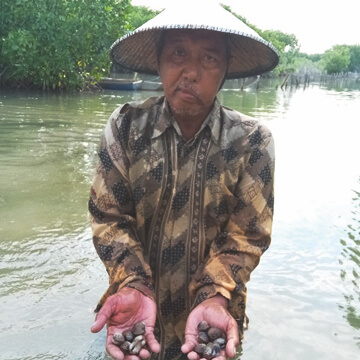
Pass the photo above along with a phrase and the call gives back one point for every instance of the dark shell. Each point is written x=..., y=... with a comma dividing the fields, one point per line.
x=125, y=346
x=118, y=338
x=203, y=337
x=138, y=328
x=214, y=333
x=203, y=326
x=208, y=351
x=135, y=350
x=199, y=348
x=138, y=339
x=220, y=341
x=128, y=335
x=215, y=350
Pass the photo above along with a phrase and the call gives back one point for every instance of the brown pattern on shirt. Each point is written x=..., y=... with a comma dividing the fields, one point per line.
x=181, y=221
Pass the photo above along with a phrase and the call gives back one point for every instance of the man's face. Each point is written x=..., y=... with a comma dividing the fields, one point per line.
x=192, y=66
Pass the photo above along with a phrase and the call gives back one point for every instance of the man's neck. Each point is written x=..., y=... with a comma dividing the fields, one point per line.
x=190, y=127
x=190, y=124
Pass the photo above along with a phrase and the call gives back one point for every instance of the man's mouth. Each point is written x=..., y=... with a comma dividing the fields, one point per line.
x=187, y=92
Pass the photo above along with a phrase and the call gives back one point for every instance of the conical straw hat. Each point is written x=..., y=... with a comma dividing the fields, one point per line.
x=251, y=55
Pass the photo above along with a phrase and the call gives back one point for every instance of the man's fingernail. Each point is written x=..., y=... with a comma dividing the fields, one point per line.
x=93, y=325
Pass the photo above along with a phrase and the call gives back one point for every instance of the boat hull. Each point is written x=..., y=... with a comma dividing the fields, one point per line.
x=120, y=84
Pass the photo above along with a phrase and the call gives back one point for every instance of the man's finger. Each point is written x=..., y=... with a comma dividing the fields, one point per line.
x=189, y=344
x=192, y=355
x=99, y=323
x=152, y=343
x=144, y=354
x=231, y=347
x=232, y=339
x=114, y=352
x=103, y=316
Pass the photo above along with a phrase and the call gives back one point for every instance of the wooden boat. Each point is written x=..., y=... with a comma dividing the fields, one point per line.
x=151, y=85
x=120, y=84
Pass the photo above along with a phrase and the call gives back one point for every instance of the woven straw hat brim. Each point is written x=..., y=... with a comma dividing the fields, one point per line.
x=251, y=55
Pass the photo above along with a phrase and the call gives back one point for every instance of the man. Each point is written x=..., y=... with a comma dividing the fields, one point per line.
x=182, y=199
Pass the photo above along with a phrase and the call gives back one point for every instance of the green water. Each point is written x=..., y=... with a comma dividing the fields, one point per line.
x=303, y=299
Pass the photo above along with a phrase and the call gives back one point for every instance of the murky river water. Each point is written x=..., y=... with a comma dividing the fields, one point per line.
x=303, y=299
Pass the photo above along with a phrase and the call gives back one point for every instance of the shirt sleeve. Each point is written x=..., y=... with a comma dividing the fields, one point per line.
x=112, y=214
x=237, y=249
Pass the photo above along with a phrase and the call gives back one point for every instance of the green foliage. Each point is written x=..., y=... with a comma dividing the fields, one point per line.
x=337, y=59
x=286, y=44
x=354, y=65
x=305, y=65
x=312, y=57
x=341, y=58
x=58, y=43
x=282, y=41
x=139, y=15
x=64, y=44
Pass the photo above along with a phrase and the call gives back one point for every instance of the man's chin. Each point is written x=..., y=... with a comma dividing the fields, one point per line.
x=185, y=109
x=185, y=112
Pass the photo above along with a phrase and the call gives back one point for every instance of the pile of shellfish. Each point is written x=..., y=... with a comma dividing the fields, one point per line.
x=211, y=341
x=131, y=341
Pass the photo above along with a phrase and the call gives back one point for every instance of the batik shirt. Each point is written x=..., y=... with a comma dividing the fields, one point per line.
x=182, y=221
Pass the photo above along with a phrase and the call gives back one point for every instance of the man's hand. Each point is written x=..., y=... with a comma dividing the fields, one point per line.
x=120, y=312
x=214, y=311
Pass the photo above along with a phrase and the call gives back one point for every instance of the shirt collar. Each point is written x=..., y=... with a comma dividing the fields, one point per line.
x=214, y=121
x=166, y=120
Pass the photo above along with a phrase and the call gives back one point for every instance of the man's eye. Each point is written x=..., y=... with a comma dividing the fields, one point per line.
x=209, y=58
x=179, y=52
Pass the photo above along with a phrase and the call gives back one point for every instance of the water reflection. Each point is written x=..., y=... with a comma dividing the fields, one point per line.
x=350, y=266
x=249, y=102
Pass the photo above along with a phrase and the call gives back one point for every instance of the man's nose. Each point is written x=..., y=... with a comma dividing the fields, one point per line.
x=192, y=69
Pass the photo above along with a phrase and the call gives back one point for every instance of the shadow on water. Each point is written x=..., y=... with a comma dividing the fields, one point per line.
x=350, y=267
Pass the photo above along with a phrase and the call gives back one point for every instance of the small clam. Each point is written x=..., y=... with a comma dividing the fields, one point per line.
x=215, y=350
x=203, y=337
x=220, y=341
x=135, y=350
x=125, y=346
x=203, y=326
x=128, y=335
x=214, y=333
x=138, y=328
x=137, y=345
x=208, y=351
x=118, y=338
x=138, y=338
x=199, y=348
